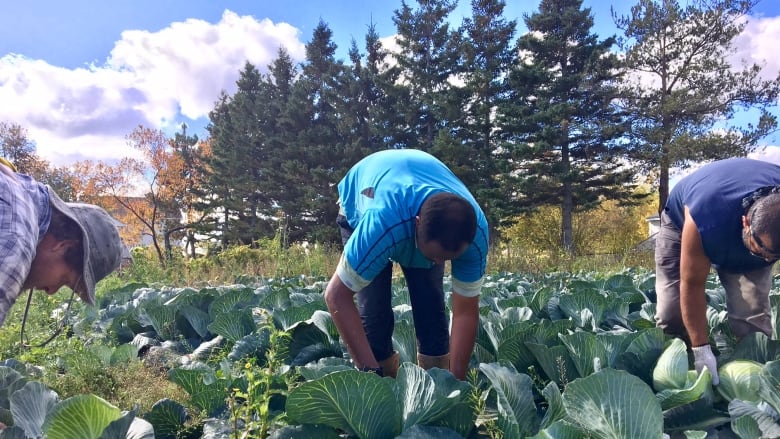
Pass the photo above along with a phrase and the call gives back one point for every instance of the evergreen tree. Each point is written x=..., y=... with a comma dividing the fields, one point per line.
x=220, y=192
x=239, y=164
x=192, y=155
x=471, y=144
x=685, y=85
x=564, y=127
x=378, y=80
x=312, y=157
x=363, y=99
x=425, y=65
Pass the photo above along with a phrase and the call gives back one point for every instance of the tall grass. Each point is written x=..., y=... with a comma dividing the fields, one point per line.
x=266, y=259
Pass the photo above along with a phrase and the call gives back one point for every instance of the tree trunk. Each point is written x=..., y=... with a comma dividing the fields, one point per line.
x=663, y=184
x=168, y=246
x=191, y=244
x=567, y=203
x=156, y=244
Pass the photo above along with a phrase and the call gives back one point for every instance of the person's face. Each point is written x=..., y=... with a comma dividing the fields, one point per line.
x=433, y=250
x=49, y=272
x=755, y=242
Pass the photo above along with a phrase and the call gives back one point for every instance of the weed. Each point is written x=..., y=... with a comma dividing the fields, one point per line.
x=125, y=385
x=536, y=379
x=252, y=413
x=477, y=400
x=560, y=364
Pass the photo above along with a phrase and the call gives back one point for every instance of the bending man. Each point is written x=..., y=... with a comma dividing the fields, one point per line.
x=406, y=207
x=46, y=243
x=725, y=215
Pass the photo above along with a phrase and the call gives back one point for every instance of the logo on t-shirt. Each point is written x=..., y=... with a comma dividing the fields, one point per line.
x=369, y=192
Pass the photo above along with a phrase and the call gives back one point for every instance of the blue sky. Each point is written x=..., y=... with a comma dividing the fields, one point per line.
x=81, y=74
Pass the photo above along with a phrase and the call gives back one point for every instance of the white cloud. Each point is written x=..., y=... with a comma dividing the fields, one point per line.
x=767, y=154
x=150, y=79
x=756, y=45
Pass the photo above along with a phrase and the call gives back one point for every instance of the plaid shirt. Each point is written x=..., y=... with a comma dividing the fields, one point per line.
x=24, y=218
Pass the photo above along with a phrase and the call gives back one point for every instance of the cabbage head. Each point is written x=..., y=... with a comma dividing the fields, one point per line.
x=739, y=379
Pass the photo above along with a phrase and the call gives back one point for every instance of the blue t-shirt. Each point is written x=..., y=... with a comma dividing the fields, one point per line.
x=714, y=195
x=380, y=197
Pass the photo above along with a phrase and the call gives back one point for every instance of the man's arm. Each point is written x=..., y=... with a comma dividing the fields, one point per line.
x=694, y=268
x=345, y=315
x=465, y=317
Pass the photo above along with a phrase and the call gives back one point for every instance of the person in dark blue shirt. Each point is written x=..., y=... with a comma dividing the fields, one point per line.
x=725, y=215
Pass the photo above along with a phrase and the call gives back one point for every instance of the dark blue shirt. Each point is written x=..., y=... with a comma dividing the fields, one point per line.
x=714, y=195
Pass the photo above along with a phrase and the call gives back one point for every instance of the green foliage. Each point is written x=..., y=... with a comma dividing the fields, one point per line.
x=583, y=338
x=740, y=380
x=682, y=51
x=255, y=411
x=32, y=409
x=565, y=133
x=472, y=151
x=264, y=258
x=125, y=383
x=44, y=317
x=367, y=406
x=604, y=237
x=427, y=57
x=478, y=397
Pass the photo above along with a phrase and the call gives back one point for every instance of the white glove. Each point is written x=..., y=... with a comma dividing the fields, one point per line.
x=703, y=356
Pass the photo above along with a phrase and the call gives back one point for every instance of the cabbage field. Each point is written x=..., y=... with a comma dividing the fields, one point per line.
x=558, y=355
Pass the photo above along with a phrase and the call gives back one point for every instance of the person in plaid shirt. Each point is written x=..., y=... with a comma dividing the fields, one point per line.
x=46, y=243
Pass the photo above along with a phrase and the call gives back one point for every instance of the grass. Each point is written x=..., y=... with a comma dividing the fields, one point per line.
x=126, y=386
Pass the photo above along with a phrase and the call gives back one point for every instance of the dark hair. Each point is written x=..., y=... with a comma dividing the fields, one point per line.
x=63, y=229
x=764, y=217
x=448, y=219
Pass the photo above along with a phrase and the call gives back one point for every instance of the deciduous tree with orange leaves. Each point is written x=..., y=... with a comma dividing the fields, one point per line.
x=153, y=188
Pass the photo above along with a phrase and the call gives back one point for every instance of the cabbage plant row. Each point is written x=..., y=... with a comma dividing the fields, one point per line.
x=557, y=356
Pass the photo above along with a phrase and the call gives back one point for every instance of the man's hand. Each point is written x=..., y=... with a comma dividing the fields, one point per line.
x=703, y=356
x=347, y=319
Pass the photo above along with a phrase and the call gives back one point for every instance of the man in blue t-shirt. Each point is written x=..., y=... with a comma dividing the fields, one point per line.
x=724, y=215
x=406, y=207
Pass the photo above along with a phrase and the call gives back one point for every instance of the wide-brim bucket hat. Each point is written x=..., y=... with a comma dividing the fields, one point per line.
x=100, y=237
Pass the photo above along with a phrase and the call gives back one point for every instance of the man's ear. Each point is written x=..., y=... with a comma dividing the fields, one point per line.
x=62, y=246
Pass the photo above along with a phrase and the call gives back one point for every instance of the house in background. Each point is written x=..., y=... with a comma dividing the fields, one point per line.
x=653, y=225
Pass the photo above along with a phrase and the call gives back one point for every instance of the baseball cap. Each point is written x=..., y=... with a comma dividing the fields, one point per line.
x=102, y=244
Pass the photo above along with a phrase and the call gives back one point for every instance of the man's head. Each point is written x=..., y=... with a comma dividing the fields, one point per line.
x=761, y=227
x=446, y=225
x=81, y=247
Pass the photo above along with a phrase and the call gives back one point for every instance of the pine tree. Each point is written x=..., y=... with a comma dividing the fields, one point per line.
x=564, y=127
x=240, y=166
x=470, y=147
x=192, y=155
x=425, y=64
x=684, y=84
x=315, y=148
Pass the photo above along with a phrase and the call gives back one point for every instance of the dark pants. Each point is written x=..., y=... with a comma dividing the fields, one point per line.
x=426, y=292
